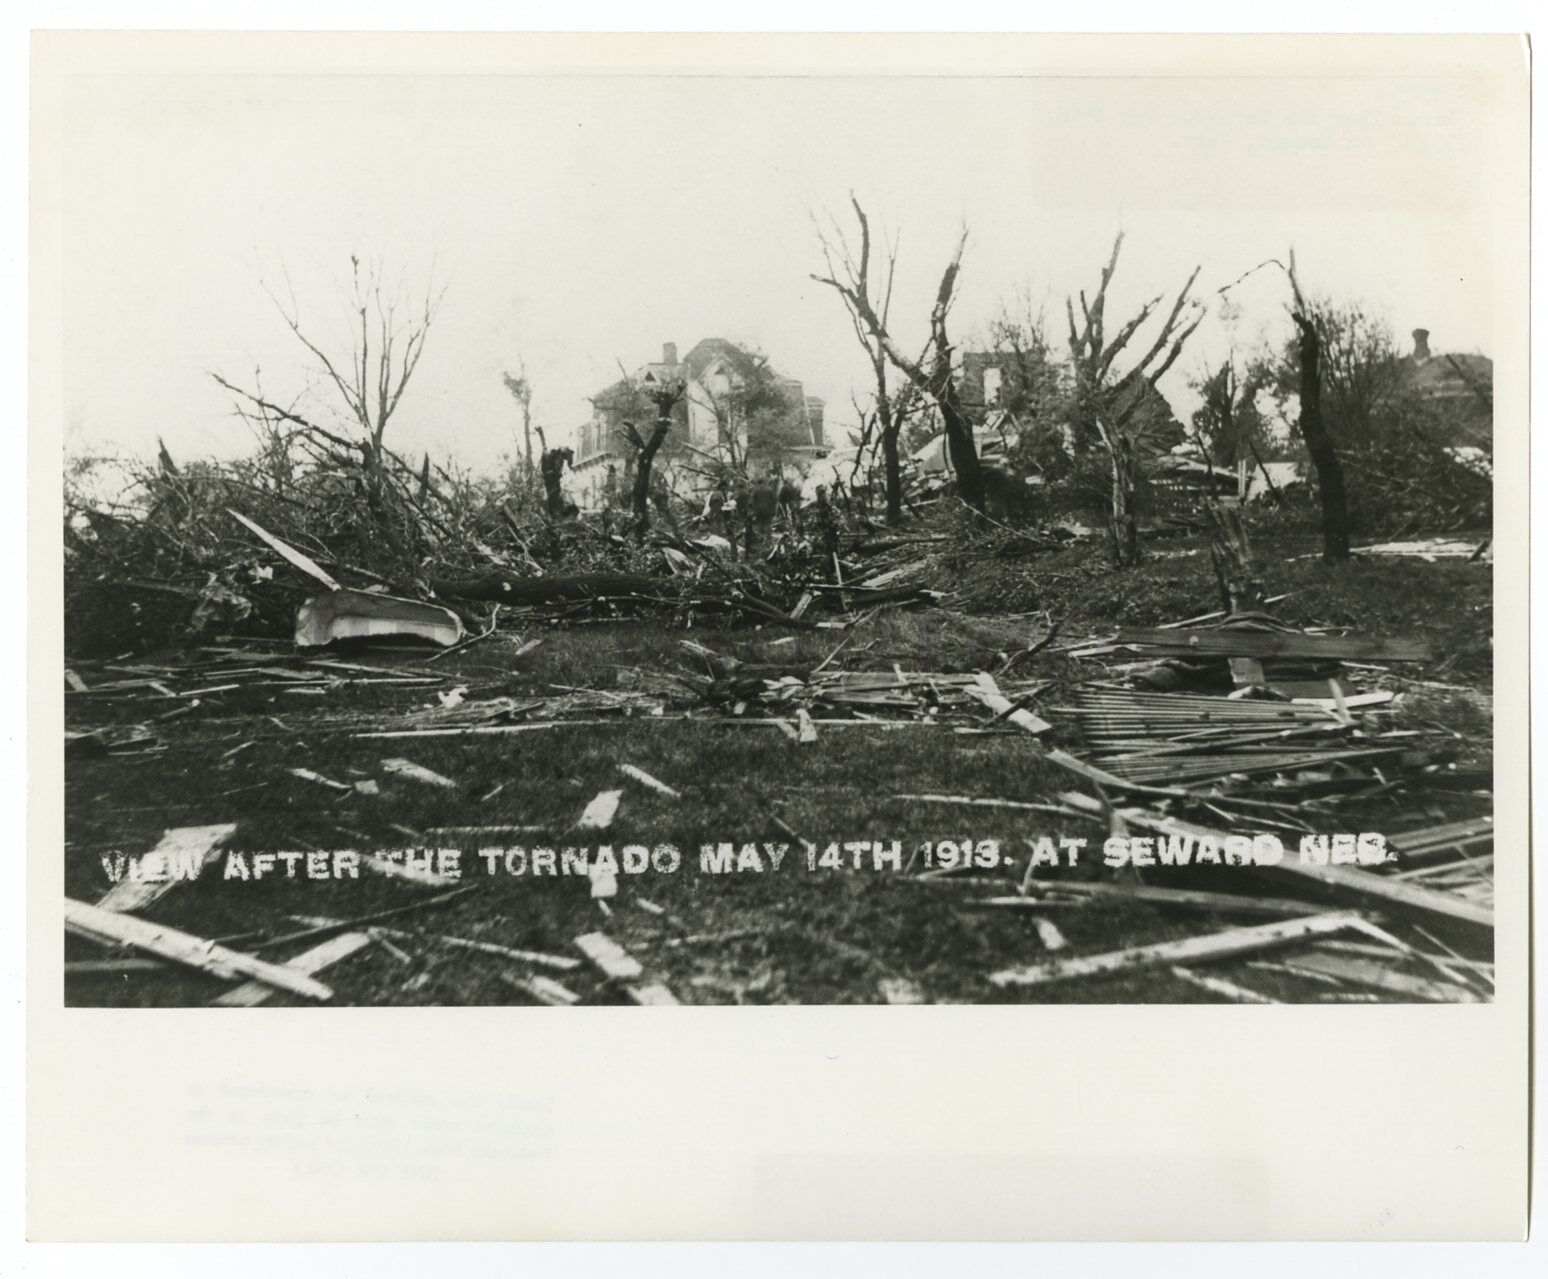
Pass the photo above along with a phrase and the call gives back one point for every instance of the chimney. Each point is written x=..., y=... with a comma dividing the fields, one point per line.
x=669, y=352
x=1421, y=344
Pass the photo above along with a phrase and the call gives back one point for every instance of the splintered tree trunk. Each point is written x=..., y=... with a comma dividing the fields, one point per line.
x=1123, y=523
x=1125, y=527
x=959, y=442
x=1319, y=444
x=1241, y=584
x=640, y=496
x=894, y=472
x=552, y=467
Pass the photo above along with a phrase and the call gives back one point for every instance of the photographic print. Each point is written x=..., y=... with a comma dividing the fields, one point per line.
x=655, y=539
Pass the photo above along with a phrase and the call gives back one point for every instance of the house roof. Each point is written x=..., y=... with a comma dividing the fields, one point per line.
x=1451, y=374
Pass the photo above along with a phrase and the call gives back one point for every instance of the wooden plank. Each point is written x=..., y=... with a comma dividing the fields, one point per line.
x=305, y=563
x=1380, y=977
x=113, y=967
x=307, y=775
x=1220, y=986
x=649, y=782
x=182, y=852
x=1180, y=898
x=1348, y=882
x=309, y=964
x=1048, y=933
x=806, y=731
x=612, y=959
x=183, y=948
x=1260, y=644
x=652, y=994
x=536, y=958
x=600, y=811
x=543, y=989
x=900, y=990
x=416, y=773
x=985, y=690
x=1236, y=941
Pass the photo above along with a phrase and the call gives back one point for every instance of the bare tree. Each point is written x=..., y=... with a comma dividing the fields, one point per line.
x=1310, y=322
x=665, y=396
x=881, y=427
x=931, y=372
x=520, y=386
x=1122, y=407
x=367, y=380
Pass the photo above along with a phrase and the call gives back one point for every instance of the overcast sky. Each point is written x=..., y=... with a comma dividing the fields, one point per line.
x=579, y=222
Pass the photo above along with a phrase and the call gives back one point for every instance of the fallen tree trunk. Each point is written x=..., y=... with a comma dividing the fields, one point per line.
x=503, y=588
x=577, y=588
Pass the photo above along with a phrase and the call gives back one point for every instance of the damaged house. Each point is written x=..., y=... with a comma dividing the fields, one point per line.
x=739, y=416
x=1458, y=388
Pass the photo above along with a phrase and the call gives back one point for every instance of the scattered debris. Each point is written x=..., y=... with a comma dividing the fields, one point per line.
x=415, y=773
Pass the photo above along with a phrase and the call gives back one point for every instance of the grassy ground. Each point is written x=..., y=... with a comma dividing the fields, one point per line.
x=809, y=936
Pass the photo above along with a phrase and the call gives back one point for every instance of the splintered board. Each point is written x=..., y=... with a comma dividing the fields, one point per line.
x=1236, y=941
x=125, y=930
x=1245, y=643
x=308, y=964
x=181, y=854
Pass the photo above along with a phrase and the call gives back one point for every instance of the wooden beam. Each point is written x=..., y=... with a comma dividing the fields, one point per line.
x=1182, y=899
x=543, y=989
x=986, y=691
x=1259, y=644
x=611, y=958
x=1382, y=977
x=1220, y=986
x=308, y=964
x=1365, y=887
x=1236, y=941
x=125, y=930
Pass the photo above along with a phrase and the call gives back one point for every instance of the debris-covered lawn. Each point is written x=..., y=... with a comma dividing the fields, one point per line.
x=974, y=733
